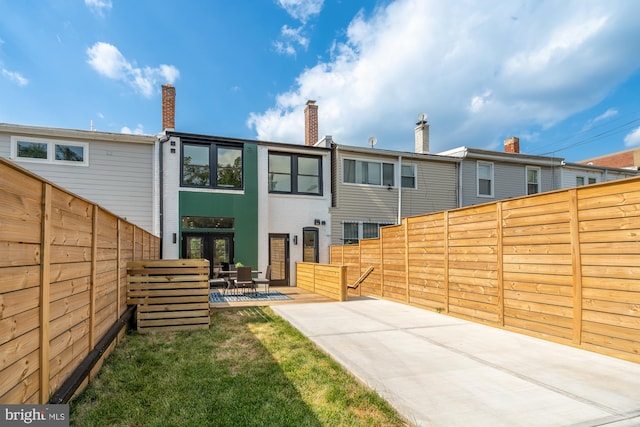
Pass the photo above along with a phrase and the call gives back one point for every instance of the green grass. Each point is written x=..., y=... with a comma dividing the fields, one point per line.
x=251, y=368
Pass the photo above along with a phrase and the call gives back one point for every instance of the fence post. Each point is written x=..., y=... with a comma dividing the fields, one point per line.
x=576, y=265
x=446, y=261
x=499, y=254
x=343, y=283
x=94, y=274
x=45, y=292
x=406, y=257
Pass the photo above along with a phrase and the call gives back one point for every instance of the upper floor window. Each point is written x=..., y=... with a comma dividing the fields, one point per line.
x=370, y=173
x=211, y=166
x=485, y=179
x=295, y=173
x=408, y=176
x=49, y=151
x=533, y=180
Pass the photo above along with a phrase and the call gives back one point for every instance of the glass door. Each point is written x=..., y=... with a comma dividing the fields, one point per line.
x=216, y=247
x=279, y=259
x=310, y=244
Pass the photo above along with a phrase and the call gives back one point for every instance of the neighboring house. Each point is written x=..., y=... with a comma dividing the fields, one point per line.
x=373, y=187
x=234, y=200
x=486, y=175
x=627, y=159
x=578, y=174
x=117, y=171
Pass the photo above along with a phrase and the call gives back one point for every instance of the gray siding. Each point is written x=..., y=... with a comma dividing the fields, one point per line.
x=509, y=180
x=119, y=177
x=436, y=191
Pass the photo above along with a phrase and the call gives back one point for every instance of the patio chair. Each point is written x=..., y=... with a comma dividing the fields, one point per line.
x=264, y=280
x=244, y=279
x=217, y=280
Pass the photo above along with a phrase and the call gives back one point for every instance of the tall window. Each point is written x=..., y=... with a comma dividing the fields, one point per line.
x=533, y=180
x=579, y=181
x=211, y=166
x=370, y=173
x=295, y=174
x=408, y=176
x=49, y=151
x=485, y=179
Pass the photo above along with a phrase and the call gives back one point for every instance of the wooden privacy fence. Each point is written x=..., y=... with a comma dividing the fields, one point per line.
x=62, y=281
x=323, y=279
x=563, y=266
x=172, y=295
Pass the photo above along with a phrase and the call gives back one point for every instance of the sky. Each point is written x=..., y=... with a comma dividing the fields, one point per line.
x=563, y=76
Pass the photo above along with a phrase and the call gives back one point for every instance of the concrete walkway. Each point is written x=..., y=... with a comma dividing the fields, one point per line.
x=438, y=370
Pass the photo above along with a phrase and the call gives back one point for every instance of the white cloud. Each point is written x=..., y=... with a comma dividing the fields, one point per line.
x=15, y=77
x=139, y=130
x=107, y=60
x=479, y=69
x=290, y=38
x=99, y=7
x=302, y=10
x=611, y=112
x=633, y=138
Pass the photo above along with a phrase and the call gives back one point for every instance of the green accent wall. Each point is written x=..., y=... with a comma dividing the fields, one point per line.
x=243, y=207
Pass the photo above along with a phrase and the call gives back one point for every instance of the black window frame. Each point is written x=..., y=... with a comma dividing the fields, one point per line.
x=213, y=164
x=293, y=167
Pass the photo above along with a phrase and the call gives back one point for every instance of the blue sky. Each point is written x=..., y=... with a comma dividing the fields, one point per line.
x=563, y=76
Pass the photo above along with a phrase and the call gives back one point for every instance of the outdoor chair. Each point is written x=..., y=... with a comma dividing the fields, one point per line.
x=244, y=279
x=264, y=280
x=217, y=280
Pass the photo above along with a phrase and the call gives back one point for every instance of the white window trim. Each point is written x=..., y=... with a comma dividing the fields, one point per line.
x=415, y=176
x=381, y=163
x=487, y=196
x=51, y=144
x=526, y=179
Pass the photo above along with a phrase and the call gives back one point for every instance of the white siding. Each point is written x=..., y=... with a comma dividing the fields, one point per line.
x=119, y=177
x=289, y=214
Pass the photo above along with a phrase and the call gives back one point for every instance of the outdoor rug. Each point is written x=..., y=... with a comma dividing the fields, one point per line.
x=216, y=296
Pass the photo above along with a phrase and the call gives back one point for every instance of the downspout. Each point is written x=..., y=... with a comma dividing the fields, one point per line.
x=161, y=142
x=459, y=184
x=400, y=190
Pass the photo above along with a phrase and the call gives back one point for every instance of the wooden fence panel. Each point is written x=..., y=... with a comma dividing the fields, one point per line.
x=172, y=295
x=537, y=265
x=610, y=250
x=473, y=263
x=325, y=279
x=370, y=257
x=426, y=252
x=58, y=281
x=351, y=258
x=563, y=265
x=394, y=279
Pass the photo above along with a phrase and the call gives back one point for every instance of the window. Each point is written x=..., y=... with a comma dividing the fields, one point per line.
x=370, y=173
x=48, y=151
x=533, y=180
x=579, y=181
x=295, y=174
x=592, y=181
x=192, y=222
x=485, y=179
x=408, y=176
x=354, y=231
x=211, y=166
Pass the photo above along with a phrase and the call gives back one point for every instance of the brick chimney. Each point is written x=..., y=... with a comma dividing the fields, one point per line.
x=422, y=135
x=168, y=107
x=311, y=123
x=512, y=145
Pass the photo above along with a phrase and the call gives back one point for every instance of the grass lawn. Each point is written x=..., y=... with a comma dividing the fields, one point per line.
x=251, y=368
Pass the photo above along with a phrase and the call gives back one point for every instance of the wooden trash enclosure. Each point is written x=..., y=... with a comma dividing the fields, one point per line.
x=171, y=295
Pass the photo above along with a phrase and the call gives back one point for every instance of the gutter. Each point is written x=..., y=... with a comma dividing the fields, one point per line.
x=66, y=391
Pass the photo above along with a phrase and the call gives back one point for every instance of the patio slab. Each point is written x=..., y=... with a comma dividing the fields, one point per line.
x=438, y=370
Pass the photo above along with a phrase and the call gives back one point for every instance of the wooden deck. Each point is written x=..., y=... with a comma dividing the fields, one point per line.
x=298, y=296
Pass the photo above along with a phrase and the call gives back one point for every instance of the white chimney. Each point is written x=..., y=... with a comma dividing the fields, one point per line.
x=422, y=134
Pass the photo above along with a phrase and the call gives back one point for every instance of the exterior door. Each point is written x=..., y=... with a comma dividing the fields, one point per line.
x=216, y=247
x=279, y=259
x=310, y=244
